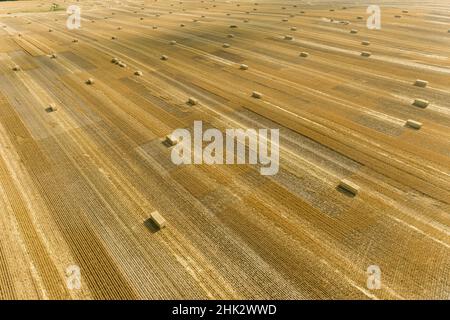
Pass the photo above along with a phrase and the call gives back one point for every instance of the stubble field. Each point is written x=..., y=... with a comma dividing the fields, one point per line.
x=78, y=184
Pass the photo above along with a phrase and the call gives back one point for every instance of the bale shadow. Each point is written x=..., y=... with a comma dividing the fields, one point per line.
x=345, y=192
x=151, y=226
x=166, y=143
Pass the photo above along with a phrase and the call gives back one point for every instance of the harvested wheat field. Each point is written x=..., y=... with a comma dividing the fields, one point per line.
x=87, y=180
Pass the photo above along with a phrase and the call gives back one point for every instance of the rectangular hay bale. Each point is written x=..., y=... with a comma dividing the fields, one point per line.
x=349, y=186
x=421, y=103
x=421, y=83
x=414, y=124
x=158, y=219
x=171, y=140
